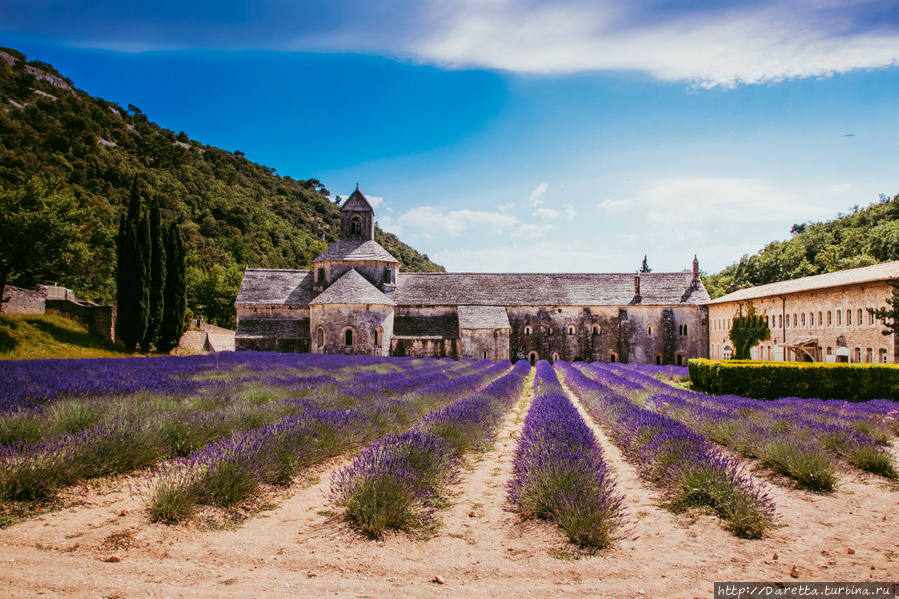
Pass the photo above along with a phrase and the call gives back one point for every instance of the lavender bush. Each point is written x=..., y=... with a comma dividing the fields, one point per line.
x=559, y=472
x=683, y=463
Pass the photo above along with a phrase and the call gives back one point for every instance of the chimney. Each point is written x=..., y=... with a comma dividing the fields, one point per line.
x=637, y=285
x=695, y=269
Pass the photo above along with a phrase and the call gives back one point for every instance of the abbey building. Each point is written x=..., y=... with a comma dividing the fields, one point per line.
x=357, y=300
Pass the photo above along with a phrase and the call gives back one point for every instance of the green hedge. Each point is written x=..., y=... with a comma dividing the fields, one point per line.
x=770, y=380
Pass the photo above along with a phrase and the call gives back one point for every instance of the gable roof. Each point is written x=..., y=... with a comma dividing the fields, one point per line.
x=356, y=203
x=356, y=250
x=547, y=289
x=352, y=288
x=483, y=317
x=866, y=274
x=272, y=286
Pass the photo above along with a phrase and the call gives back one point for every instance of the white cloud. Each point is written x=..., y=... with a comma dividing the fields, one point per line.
x=536, y=196
x=570, y=212
x=546, y=213
x=748, y=44
x=616, y=206
x=375, y=201
x=539, y=256
x=506, y=207
x=432, y=222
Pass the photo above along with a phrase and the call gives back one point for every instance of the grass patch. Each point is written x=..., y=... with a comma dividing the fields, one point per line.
x=30, y=337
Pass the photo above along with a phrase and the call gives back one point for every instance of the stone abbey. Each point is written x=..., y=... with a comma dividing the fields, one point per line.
x=356, y=300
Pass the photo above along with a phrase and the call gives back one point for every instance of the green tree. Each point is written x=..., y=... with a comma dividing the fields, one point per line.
x=133, y=272
x=157, y=276
x=213, y=291
x=175, y=304
x=38, y=224
x=890, y=316
x=747, y=331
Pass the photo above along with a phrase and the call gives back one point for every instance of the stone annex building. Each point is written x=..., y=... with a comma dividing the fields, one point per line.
x=356, y=300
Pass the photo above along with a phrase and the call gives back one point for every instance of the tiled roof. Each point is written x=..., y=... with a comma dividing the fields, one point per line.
x=445, y=326
x=483, y=317
x=352, y=288
x=273, y=328
x=354, y=249
x=546, y=289
x=357, y=202
x=268, y=286
x=866, y=274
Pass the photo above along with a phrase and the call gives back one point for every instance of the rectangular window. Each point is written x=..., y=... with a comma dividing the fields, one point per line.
x=829, y=318
x=803, y=319
x=820, y=319
x=839, y=318
x=860, y=321
x=848, y=317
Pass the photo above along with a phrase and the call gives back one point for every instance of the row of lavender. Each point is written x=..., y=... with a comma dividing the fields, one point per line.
x=397, y=481
x=142, y=429
x=799, y=438
x=30, y=383
x=230, y=470
x=559, y=472
x=685, y=465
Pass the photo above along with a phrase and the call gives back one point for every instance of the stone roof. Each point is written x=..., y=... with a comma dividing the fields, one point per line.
x=352, y=288
x=866, y=274
x=546, y=289
x=275, y=287
x=357, y=203
x=483, y=317
x=444, y=326
x=273, y=328
x=356, y=250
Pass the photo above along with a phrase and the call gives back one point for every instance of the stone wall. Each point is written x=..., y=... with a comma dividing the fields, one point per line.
x=22, y=301
x=329, y=324
x=492, y=344
x=609, y=334
x=99, y=320
x=830, y=316
x=425, y=347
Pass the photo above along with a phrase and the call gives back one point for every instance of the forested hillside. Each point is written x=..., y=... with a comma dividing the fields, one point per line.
x=863, y=237
x=233, y=212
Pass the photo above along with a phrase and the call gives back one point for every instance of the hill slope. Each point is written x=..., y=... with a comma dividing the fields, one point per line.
x=233, y=212
x=863, y=237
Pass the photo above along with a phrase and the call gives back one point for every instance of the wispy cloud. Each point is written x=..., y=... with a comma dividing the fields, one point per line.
x=546, y=213
x=536, y=197
x=430, y=222
x=616, y=206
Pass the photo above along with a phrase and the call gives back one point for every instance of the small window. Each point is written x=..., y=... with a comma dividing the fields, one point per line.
x=348, y=337
x=533, y=357
x=803, y=319
x=860, y=319
x=820, y=320
x=649, y=330
x=570, y=330
x=870, y=318
x=869, y=355
x=613, y=358
x=485, y=355
x=356, y=226
x=377, y=337
x=829, y=318
x=728, y=352
x=680, y=359
x=858, y=355
x=321, y=337
x=555, y=357
x=659, y=359
x=549, y=331
x=496, y=334
x=883, y=355
x=848, y=317
x=596, y=330
x=527, y=330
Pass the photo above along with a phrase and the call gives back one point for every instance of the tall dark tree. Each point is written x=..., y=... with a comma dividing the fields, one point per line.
x=133, y=272
x=890, y=316
x=175, y=304
x=37, y=228
x=747, y=331
x=157, y=276
x=645, y=266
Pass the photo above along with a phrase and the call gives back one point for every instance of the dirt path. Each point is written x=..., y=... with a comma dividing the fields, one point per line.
x=301, y=548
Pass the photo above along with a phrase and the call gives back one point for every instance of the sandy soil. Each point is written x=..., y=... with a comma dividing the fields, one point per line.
x=103, y=546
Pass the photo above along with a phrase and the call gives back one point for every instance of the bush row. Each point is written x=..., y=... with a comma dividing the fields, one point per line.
x=770, y=380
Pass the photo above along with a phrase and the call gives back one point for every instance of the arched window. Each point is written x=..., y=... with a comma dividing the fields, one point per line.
x=527, y=330
x=649, y=330
x=378, y=337
x=321, y=275
x=613, y=357
x=820, y=319
x=803, y=319
x=829, y=318
x=858, y=355
x=571, y=329
x=860, y=319
x=485, y=355
x=869, y=355
x=321, y=337
x=659, y=359
x=348, y=337
x=533, y=357
x=596, y=330
x=728, y=352
x=685, y=330
x=839, y=318
x=680, y=359
x=555, y=356
x=848, y=317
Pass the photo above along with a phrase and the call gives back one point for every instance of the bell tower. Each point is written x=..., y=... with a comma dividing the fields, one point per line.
x=357, y=219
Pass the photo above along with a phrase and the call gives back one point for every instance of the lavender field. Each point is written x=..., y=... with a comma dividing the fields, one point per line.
x=424, y=449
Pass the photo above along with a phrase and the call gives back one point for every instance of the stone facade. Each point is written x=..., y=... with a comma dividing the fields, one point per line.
x=823, y=318
x=52, y=299
x=356, y=300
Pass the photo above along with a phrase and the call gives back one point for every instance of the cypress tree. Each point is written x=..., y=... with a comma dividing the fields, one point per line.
x=175, y=298
x=132, y=272
x=157, y=276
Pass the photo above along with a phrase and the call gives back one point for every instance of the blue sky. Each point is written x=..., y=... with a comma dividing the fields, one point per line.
x=509, y=135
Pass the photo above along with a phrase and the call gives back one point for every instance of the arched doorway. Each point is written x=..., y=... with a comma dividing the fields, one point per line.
x=533, y=357
x=348, y=337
